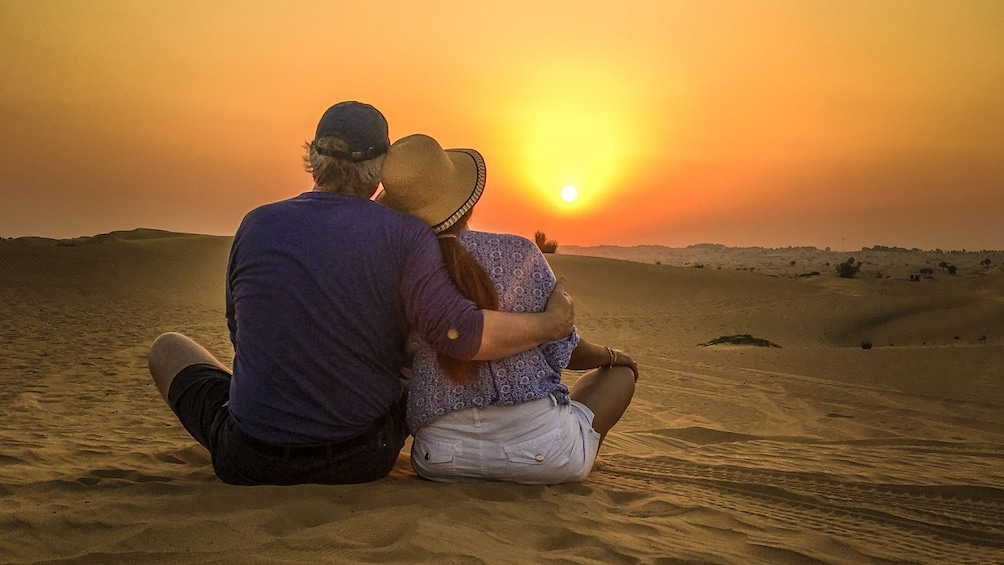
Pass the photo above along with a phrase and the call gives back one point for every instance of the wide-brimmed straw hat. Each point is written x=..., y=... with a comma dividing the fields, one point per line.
x=439, y=186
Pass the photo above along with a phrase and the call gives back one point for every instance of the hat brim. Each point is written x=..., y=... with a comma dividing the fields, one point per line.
x=471, y=175
x=440, y=198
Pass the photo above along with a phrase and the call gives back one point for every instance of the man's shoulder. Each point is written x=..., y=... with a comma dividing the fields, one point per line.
x=277, y=207
x=310, y=202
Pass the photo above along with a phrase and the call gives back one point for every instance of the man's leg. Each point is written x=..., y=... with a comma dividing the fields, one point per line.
x=172, y=352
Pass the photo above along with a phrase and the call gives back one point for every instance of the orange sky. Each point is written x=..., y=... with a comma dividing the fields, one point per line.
x=824, y=123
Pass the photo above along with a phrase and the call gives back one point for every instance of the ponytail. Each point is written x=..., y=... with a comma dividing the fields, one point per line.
x=473, y=282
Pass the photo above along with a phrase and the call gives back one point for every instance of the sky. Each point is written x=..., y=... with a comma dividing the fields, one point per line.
x=771, y=123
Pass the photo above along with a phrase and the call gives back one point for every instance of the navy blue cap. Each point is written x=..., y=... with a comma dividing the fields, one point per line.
x=360, y=125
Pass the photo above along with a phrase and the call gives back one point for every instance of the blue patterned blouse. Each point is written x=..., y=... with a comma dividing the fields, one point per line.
x=524, y=281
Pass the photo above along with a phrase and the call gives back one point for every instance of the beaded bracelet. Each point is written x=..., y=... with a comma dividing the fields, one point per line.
x=613, y=357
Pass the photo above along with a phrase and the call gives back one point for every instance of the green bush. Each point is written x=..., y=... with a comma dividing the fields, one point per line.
x=848, y=269
x=545, y=245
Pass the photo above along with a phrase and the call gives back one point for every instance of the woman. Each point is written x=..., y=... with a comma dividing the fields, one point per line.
x=510, y=419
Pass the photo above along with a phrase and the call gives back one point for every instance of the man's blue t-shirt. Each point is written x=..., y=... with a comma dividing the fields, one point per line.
x=322, y=290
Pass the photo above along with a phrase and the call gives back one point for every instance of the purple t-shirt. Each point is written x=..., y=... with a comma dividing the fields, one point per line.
x=524, y=282
x=322, y=291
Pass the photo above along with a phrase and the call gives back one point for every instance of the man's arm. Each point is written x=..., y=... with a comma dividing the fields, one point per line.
x=506, y=334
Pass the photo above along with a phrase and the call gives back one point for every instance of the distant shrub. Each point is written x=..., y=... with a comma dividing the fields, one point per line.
x=927, y=271
x=740, y=339
x=699, y=265
x=848, y=269
x=866, y=344
x=545, y=245
x=952, y=269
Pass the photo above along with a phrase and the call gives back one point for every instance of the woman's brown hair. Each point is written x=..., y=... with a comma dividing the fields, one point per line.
x=473, y=282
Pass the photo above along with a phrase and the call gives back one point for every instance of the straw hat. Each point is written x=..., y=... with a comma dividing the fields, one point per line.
x=439, y=186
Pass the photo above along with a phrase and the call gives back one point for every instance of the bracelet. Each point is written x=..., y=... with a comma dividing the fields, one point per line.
x=613, y=357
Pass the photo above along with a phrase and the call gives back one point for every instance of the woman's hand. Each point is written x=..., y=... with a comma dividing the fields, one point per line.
x=621, y=359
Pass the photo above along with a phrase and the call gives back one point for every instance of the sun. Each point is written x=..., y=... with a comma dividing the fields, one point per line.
x=569, y=193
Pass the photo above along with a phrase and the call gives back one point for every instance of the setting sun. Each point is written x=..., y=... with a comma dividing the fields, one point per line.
x=569, y=193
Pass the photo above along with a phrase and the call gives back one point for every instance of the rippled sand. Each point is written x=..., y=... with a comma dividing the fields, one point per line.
x=815, y=452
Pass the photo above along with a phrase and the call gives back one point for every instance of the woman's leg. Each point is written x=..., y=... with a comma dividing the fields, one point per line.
x=607, y=392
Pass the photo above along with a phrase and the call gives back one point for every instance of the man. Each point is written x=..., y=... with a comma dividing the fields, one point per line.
x=322, y=290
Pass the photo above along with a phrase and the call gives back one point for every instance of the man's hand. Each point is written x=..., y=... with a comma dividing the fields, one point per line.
x=561, y=309
x=506, y=334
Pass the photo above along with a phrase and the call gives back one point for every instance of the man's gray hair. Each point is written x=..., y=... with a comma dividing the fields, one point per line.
x=337, y=175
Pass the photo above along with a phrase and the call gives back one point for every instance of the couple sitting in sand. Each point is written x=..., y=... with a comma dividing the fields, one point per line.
x=330, y=294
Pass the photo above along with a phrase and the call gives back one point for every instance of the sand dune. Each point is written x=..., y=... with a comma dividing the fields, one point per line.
x=815, y=452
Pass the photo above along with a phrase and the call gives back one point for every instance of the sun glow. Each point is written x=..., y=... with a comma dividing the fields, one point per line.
x=589, y=140
x=569, y=193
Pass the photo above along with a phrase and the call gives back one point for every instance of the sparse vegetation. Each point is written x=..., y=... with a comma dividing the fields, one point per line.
x=740, y=339
x=545, y=245
x=848, y=268
x=866, y=343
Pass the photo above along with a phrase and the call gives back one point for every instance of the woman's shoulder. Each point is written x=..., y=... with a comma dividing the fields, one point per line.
x=499, y=241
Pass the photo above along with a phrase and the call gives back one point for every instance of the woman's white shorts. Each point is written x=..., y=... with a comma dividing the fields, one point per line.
x=538, y=442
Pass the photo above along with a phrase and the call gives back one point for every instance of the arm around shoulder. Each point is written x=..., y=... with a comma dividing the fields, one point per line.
x=506, y=334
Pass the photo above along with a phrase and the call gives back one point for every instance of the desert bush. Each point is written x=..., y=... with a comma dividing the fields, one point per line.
x=740, y=339
x=866, y=344
x=545, y=245
x=848, y=268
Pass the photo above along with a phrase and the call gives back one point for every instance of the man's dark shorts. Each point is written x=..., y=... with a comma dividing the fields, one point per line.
x=199, y=395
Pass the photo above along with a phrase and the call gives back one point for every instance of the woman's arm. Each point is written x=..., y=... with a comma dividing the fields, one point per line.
x=588, y=355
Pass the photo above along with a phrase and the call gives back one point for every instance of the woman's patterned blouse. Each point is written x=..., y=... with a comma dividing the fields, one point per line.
x=524, y=281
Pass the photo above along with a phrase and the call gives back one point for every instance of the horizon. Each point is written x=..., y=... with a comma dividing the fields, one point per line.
x=875, y=247
x=775, y=124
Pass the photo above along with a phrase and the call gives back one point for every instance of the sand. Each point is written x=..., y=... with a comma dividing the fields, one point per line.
x=819, y=451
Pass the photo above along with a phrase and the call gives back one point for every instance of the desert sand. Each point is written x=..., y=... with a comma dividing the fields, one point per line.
x=817, y=451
